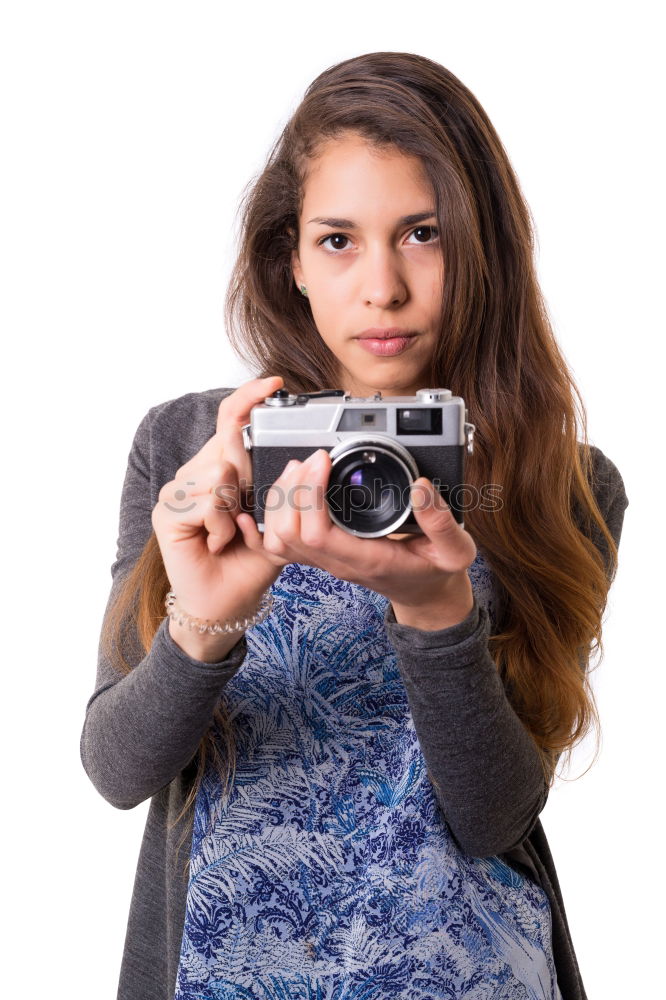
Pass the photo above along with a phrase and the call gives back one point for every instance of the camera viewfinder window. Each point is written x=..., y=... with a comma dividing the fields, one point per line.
x=419, y=420
x=356, y=419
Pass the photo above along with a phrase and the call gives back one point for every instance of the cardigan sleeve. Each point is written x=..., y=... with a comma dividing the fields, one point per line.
x=142, y=728
x=481, y=760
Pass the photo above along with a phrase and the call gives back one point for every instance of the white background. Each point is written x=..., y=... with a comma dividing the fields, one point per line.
x=129, y=131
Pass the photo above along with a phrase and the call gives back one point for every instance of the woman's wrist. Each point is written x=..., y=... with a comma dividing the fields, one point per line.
x=448, y=609
x=210, y=640
x=205, y=648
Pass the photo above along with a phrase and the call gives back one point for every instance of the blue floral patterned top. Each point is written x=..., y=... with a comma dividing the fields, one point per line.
x=328, y=872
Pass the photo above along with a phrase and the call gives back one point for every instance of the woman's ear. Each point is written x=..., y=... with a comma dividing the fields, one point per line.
x=295, y=262
x=296, y=269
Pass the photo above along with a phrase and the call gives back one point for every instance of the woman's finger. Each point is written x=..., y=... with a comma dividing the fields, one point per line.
x=233, y=413
x=281, y=519
x=227, y=441
x=315, y=520
x=184, y=509
x=254, y=539
x=452, y=547
x=226, y=505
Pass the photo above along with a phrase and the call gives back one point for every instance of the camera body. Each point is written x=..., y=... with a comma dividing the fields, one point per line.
x=378, y=446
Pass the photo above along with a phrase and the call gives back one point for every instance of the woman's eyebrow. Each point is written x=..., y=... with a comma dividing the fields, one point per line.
x=407, y=220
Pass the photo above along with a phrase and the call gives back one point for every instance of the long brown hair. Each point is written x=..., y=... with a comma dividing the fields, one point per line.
x=496, y=349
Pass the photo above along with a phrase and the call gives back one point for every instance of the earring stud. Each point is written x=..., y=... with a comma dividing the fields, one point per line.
x=304, y=291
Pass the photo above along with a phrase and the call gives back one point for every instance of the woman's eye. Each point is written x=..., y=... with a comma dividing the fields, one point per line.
x=334, y=236
x=428, y=230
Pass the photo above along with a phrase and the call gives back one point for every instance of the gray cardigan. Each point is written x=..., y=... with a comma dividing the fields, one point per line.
x=141, y=731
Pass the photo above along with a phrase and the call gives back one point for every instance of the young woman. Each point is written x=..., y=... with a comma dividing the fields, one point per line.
x=345, y=792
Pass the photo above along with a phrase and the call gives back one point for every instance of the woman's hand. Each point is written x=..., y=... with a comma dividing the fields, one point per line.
x=424, y=576
x=213, y=572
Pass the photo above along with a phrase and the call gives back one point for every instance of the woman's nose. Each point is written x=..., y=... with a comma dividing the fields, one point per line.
x=382, y=282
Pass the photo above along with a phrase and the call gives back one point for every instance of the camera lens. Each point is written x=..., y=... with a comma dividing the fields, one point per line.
x=368, y=490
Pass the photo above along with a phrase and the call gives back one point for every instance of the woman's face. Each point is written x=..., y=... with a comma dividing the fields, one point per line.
x=365, y=267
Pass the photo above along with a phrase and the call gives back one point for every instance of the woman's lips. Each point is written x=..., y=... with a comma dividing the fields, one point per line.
x=386, y=347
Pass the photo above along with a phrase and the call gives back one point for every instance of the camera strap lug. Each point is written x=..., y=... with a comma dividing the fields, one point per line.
x=469, y=437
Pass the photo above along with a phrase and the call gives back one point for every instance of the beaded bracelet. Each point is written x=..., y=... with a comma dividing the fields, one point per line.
x=218, y=627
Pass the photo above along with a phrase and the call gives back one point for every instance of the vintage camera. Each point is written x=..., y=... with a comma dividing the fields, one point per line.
x=378, y=446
